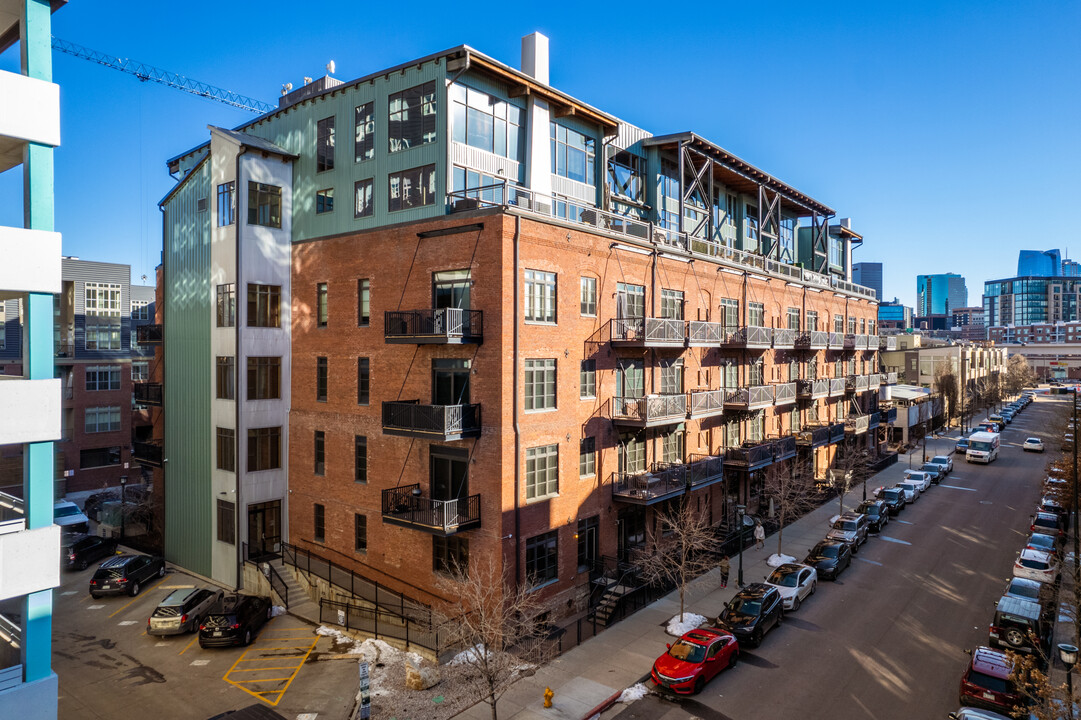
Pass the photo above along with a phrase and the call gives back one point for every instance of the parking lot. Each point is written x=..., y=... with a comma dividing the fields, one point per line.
x=108, y=665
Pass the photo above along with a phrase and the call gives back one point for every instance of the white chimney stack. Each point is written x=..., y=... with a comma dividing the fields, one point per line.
x=535, y=57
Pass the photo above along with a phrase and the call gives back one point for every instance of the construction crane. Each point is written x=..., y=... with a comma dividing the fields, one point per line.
x=149, y=73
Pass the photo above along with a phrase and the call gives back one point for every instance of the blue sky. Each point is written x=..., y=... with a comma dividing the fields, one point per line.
x=946, y=130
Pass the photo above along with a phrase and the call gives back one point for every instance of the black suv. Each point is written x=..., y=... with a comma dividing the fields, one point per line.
x=894, y=497
x=877, y=512
x=236, y=623
x=125, y=574
x=1021, y=626
x=754, y=611
x=86, y=549
x=829, y=558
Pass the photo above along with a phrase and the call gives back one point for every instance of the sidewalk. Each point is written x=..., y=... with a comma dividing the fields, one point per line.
x=587, y=677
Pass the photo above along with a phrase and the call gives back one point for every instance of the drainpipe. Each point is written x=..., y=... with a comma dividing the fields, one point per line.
x=237, y=364
x=517, y=426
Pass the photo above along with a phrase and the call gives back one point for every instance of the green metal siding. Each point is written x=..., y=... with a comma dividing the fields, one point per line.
x=295, y=131
x=188, y=435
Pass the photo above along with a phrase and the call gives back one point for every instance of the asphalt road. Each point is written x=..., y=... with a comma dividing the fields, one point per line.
x=887, y=639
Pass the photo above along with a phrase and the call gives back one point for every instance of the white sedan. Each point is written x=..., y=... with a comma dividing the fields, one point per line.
x=943, y=460
x=918, y=476
x=1036, y=565
x=1033, y=445
x=794, y=582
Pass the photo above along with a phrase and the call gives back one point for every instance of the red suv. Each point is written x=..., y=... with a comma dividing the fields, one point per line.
x=695, y=659
x=986, y=683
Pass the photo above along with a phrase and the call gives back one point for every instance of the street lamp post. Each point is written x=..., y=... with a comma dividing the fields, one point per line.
x=1068, y=655
x=123, y=482
x=741, y=513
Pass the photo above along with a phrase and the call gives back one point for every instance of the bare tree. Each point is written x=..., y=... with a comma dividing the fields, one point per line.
x=683, y=550
x=849, y=469
x=1019, y=375
x=947, y=385
x=499, y=626
x=793, y=491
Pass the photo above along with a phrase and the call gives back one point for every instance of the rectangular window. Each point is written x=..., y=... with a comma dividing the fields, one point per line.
x=411, y=119
x=541, y=472
x=486, y=122
x=587, y=457
x=99, y=457
x=226, y=442
x=264, y=205
x=630, y=301
x=102, y=299
x=363, y=303
x=102, y=333
x=324, y=144
x=321, y=304
x=103, y=377
x=625, y=176
x=450, y=554
x=264, y=305
x=588, y=379
x=226, y=522
x=321, y=379
x=672, y=304
x=411, y=188
x=838, y=323
x=812, y=321
x=363, y=205
x=360, y=459
x=226, y=305
x=319, y=523
x=102, y=419
x=588, y=551
x=226, y=377
x=140, y=310
x=851, y=324
x=364, y=141
x=671, y=376
x=672, y=446
x=756, y=427
x=320, y=452
x=140, y=371
x=573, y=154
x=363, y=381
x=540, y=384
x=542, y=558
x=226, y=204
x=632, y=453
x=360, y=533
x=756, y=314
x=264, y=378
x=540, y=296
x=589, y=297
x=264, y=449
x=730, y=313
x=793, y=318
x=324, y=201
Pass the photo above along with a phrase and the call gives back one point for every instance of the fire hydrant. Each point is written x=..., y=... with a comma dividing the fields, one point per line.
x=548, y=695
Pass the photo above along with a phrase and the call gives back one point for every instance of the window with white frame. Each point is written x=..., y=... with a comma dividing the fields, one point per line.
x=812, y=321
x=573, y=154
x=540, y=384
x=140, y=310
x=756, y=314
x=102, y=299
x=101, y=333
x=672, y=445
x=487, y=123
x=793, y=318
x=103, y=377
x=102, y=419
x=540, y=296
x=672, y=304
x=541, y=472
x=140, y=371
x=756, y=427
x=730, y=313
x=589, y=297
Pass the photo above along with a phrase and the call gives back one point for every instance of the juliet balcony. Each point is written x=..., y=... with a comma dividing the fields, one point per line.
x=649, y=411
x=648, y=332
x=812, y=389
x=750, y=338
x=147, y=393
x=405, y=506
x=433, y=422
x=439, y=326
x=812, y=340
x=750, y=398
x=148, y=453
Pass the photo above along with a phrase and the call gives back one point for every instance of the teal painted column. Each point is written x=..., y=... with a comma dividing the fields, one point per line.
x=38, y=340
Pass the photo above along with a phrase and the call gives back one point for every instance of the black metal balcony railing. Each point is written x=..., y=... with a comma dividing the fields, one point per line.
x=64, y=350
x=750, y=398
x=784, y=393
x=147, y=393
x=149, y=334
x=706, y=403
x=148, y=453
x=649, y=332
x=784, y=448
x=890, y=416
x=440, y=325
x=751, y=456
x=837, y=432
x=850, y=341
x=701, y=333
x=874, y=421
x=446, y=422
x=750, y=337
x=404, y=506
x=650, y=411
x=813, y=436
x=705, y=470
x=784, y=338
x=647, y=488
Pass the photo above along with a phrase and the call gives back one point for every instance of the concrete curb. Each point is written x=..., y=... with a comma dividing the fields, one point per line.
x=608, y=702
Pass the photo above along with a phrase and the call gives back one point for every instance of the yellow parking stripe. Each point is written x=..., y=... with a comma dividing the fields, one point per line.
x=129, y=602
x=277, y=667
x=301, y=656
x=241, y=682
x=190, y=643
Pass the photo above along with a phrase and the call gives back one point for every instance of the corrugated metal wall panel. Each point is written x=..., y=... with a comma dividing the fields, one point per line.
x=188, y=317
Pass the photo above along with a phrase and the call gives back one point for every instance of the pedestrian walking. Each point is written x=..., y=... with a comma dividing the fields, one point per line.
x=724, y=566
x=759, y=536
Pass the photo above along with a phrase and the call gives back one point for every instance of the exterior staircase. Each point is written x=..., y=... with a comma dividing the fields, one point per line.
x=297, y=601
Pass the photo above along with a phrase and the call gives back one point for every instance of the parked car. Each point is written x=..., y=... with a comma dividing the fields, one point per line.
x=829, y=558
x=1049, y=524
x=944, y=460
x=996, y=418
x=1032, y=591
x=1051, y=504
x=895, y=498
x=795, y=582
x=936, y=471
x=85, y=549
x=1036, y=565
x=912, y=490
x=977, y=714
x=236, y=622
x=754, y=611
x=1043, y=543
x=877, y=512
x=923, y=477
x=986, y=682
x=68, y=516
x=961, y=447
x=695, y=659
x=850, y=528
x=125, y=574
x=1007, y=416
x=1021, y=626
x=182, y=611
x=1032, y=444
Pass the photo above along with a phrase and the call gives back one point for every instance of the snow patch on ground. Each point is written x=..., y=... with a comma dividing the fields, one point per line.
x=634, y=692
x=779, y=559
x=690, y=621
x=469, y=655
x=277, y=610
x=370, y=650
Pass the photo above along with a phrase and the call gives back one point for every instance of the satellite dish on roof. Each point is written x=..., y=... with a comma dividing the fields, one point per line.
x=330, y=67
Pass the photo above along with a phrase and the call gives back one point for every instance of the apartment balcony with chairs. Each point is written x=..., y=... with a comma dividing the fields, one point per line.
x=784, y=448
x=812, y=340
x=648, y=332
x=888, y=342
x=147, y=393
x=649, y=411
x=813, y=436
x=812, y=389
x=406, y=506
x=857, y=425
x=784, y=338
x=148, y=453
x=150, y=334
x=433, y=422
x=838, y=386
x=437, y=326
x=750, y=455
x=663, y=482
x=837, y=341
x=706, y=334
x=750, y=338
x=784, y=393
x=750, y=398
x=705, y=403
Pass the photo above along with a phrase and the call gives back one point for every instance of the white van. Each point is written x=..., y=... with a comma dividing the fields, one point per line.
x=982, y=447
